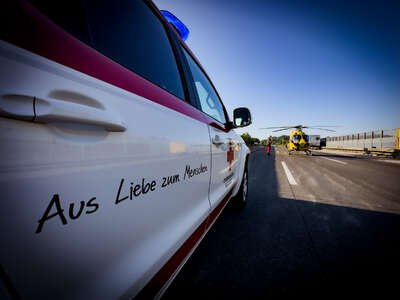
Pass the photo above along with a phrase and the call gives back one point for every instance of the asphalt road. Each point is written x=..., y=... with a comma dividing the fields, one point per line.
x=330, y=229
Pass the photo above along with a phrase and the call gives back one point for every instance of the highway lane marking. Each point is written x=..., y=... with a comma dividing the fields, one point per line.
x=288, y=174
x=335, y=160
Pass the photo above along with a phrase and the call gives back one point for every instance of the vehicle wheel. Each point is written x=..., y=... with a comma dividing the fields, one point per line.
x=241, y=197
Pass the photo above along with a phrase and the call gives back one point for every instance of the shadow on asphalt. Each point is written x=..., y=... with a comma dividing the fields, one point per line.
x=282, y=247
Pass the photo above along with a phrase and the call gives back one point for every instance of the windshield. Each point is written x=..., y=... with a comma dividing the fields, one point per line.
x=296, y=138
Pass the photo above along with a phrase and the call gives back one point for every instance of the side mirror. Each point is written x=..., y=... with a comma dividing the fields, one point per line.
x=241, y=117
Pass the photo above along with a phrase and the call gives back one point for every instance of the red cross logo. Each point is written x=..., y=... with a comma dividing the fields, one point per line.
x=230, y=155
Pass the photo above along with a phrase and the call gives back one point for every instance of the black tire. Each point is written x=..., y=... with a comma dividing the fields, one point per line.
x=241, y=197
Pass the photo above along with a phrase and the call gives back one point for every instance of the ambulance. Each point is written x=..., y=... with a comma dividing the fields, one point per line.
x=117, y=154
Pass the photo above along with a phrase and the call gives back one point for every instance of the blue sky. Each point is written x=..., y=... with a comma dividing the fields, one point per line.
x=300, y=62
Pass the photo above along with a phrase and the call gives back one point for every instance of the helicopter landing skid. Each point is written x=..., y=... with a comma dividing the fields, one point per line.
x=306, y=152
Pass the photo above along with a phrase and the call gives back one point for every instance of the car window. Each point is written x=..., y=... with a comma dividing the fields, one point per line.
x=132, y=35
x=67, y=14
x=209, y=100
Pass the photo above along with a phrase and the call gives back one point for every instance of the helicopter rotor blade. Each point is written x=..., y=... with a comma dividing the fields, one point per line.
x=300, y=127
x=325, y=129
x=276, y=130
x=330, y=126
x=285, y=127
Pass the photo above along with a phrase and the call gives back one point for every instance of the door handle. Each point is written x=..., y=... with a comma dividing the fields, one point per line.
x=18, y=107
x=216, y=140
x=50, y=111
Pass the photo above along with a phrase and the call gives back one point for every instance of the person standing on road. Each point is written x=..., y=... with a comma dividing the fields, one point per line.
x=268, y=146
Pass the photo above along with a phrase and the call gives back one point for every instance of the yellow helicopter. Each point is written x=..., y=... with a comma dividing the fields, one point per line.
x=298, y=140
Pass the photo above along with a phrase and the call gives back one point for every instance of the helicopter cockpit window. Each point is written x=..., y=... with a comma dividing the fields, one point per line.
x=296, y=138
x=305, y=137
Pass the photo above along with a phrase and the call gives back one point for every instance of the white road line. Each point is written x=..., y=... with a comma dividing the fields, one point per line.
x=335, y=160
x=288, y=174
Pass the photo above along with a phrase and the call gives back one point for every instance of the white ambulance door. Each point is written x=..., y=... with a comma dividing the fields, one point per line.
x=224, y=165
x=224, y=146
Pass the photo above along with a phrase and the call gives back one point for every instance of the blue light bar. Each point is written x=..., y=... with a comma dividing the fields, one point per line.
x=179, y=26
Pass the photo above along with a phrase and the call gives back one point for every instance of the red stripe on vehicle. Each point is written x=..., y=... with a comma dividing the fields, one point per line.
x=215, y=213
x=165, y=273
x=33, y=31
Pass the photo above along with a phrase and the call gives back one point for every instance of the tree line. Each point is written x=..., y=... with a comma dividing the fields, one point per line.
x=276, y=140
